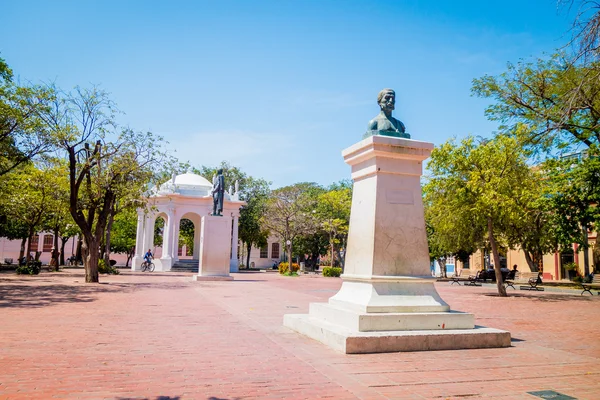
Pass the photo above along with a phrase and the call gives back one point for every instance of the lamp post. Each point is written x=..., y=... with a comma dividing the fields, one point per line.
x=289, y=245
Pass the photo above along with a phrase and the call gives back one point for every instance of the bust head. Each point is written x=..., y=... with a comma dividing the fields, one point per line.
x=387, y=100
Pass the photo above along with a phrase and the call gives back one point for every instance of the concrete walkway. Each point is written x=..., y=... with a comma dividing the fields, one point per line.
x=162, y=336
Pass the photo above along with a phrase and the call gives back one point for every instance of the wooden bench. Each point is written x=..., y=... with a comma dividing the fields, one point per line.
x=531, y=278
x=464, y=276
x=594, y=284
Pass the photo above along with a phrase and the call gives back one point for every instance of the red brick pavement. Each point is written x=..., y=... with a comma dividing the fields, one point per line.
x=162, y=336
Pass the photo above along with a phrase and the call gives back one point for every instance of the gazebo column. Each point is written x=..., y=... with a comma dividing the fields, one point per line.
x=166, y=258
x=196, y=253
x=139, y=242
x=175, y=238
x=148, y=233
x=233, y=263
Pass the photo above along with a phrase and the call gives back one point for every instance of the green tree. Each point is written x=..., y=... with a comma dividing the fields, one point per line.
x=58, y=219
x=574, y=198
x=28, y=197
x=552, y=103
x=23, y=135
x=288, y=215
x=481, y=183
x=105, y=164
x=124, y=232
x=333, y=212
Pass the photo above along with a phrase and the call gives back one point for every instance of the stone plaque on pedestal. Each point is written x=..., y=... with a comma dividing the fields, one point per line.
x=388, y=301
x=215, y=249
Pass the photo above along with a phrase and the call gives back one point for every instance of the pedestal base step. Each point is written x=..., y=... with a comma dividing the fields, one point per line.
x=354, y=342
x=375, y=322
x=212, y=278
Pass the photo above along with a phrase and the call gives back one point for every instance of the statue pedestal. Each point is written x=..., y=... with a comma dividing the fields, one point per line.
x=215, y=249
x=388, y=301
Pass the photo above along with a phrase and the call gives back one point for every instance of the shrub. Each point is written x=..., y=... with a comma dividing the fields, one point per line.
x=570, y=266
x=284, y=267
x=332, y=271
x=31, y=268
x=578, y=279
x=107, y=269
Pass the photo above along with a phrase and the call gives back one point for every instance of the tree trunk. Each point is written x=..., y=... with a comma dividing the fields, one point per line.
x=290, y=259
x=499, y=281
x=130, y=255
x=63, y=243
x=90, y=259
x=249, y=248
x=111, y=218
x=79, y=251
x=55, y=252
x=586, y=255
x=28, y=246
x=442, y=263
x=596, y=255
x=530, y=262
x=22, y=251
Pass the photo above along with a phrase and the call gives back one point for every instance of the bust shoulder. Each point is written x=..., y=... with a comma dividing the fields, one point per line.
x=372, y=124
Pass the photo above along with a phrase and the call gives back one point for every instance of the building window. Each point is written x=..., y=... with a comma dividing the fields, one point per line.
x=275, y=250
x=179, y=251
x=264, y=251
x=48, y=239
x=33, y=244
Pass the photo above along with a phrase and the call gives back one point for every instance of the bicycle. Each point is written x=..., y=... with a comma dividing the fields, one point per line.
x=147, y=266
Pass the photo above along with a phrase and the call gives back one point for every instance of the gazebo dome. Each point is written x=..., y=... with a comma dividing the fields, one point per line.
x=188, y=184
x=191, y=180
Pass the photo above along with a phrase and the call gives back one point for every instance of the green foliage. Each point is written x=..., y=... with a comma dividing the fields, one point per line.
x=23, y=131
x=108, y=165
x=333, y=212
x=123, y=232
x=574, y=196
x=31, y=268
x=570, y=266
x=475, y=193
x=186, y=234
x=103, y=268
x=332, y=271
x=548, y=104
x=284, y=267
x=289, y=212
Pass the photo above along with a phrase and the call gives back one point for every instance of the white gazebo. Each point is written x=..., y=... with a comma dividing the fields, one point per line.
x=185, y=196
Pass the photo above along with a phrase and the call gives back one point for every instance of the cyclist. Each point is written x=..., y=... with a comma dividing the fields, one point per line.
x=148, y=256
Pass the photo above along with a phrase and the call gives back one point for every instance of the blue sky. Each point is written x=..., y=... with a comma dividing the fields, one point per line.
x=280, y=88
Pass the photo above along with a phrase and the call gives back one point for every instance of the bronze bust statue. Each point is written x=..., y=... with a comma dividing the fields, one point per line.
x=384, y=124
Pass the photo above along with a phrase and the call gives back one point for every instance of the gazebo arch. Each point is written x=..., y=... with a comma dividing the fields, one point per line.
x=183, y=196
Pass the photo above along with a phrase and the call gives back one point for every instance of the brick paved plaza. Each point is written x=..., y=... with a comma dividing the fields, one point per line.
x=162, y=336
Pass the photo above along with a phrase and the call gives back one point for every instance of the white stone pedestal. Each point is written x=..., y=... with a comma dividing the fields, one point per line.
x=387, y=301
x=215, y=243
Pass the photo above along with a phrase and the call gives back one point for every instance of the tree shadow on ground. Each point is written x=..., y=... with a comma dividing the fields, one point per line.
x=548, y=298
x=18, y=295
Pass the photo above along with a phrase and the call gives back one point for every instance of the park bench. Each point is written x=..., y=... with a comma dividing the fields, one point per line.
x=464, y=276
x=594, y=284
x=531, y=279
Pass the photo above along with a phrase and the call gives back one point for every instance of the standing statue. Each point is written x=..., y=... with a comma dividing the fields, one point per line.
x=217, y=192
x=384, y=124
